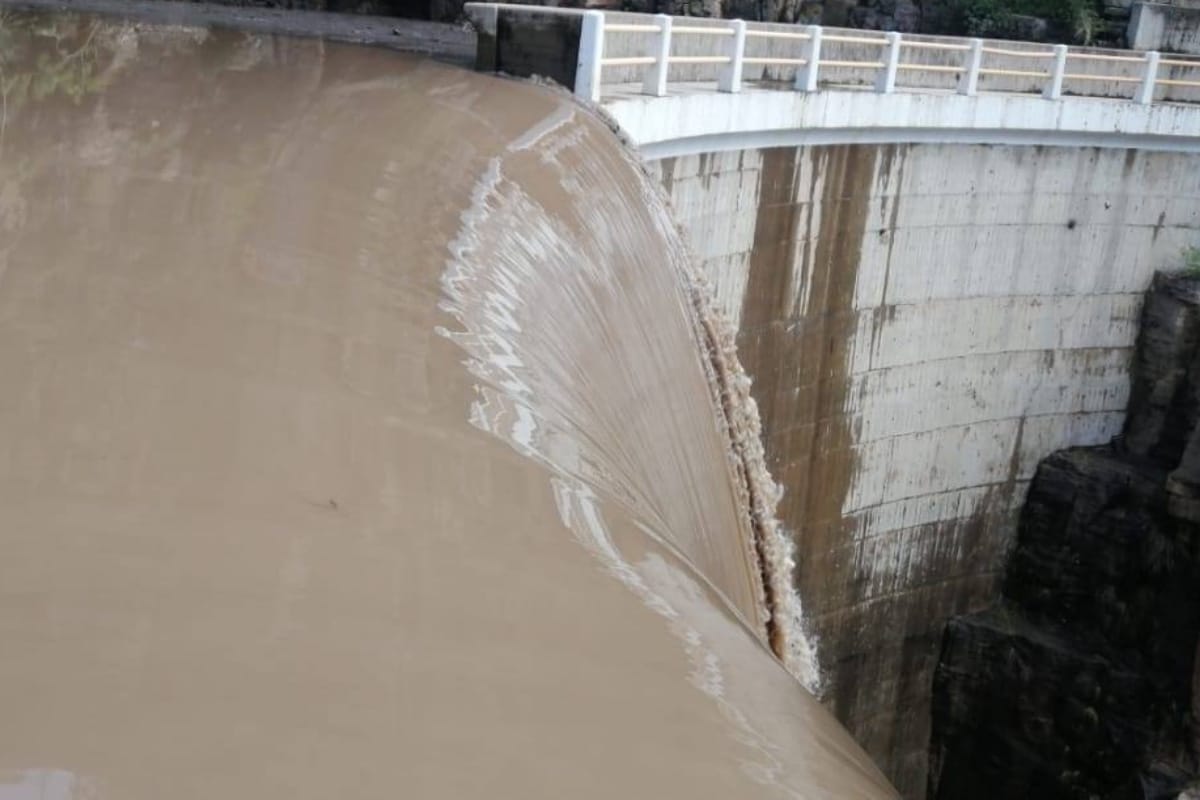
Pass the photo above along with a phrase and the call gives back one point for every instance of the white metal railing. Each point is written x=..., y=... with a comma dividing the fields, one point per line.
x=892, y=60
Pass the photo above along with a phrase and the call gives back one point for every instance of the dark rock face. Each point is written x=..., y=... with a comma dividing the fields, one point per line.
x=1082, y=682
x=412, y=9
x=906, y=16
x=891, y=15
x=1164, y=399
x=900, y=15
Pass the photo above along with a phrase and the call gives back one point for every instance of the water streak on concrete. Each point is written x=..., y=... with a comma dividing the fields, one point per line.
x=797, y=326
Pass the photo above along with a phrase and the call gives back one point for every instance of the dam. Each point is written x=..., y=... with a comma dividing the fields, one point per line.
x=933, y=251
x=370, y=423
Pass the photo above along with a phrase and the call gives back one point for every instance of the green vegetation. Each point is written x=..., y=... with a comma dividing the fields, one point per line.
x=1191, y=262
x=66, y=63
x=1070, y=21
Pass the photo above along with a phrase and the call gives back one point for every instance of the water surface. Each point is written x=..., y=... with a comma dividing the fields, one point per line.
x=357, y=439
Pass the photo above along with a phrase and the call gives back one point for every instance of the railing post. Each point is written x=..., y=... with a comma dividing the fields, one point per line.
x=806, y=76
x=659, y=49
x=1145, y=94
x=591, y=53
x=968, y=82
x=730, y=79
x=885, y=82
x=1053, y=90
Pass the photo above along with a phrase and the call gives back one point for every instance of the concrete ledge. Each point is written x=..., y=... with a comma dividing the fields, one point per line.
x=696, y=121
x=1165, y=26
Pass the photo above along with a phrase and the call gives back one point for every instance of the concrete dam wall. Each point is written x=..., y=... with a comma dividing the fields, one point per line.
x=923, y=323
x=932, y=291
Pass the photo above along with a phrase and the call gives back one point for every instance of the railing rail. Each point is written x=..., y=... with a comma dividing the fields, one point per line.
x=809, y=57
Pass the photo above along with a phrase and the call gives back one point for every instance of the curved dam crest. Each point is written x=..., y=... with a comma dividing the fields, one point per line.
x=362, y=431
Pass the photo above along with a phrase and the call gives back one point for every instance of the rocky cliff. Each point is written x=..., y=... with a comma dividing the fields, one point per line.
x=1082, y=682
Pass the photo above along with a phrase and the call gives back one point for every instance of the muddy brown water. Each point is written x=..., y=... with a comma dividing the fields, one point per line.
x=357, y=439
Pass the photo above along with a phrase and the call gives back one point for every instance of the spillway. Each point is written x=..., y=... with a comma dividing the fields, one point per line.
x=364, y=434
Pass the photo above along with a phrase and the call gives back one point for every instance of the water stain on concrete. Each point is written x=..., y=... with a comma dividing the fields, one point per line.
x=798, y=325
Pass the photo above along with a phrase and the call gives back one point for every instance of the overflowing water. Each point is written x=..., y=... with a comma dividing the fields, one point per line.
x=363, y=434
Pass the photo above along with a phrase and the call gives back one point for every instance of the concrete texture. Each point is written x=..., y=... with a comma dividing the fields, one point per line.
x=923, y=323
x=1173, y=27
x=692, y=120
